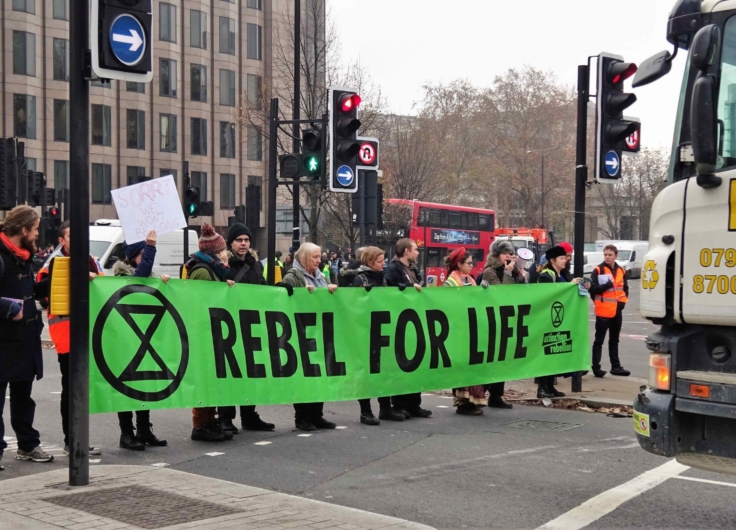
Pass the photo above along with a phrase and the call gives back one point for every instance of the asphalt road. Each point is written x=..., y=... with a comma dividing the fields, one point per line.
x=519, y=468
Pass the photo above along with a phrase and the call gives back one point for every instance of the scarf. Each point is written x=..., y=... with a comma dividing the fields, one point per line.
x=317, y=280
x=462, y=279
x=20, y=253
x=212, y=262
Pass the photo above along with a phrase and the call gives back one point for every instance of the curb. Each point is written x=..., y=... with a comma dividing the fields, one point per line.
x=597, y=402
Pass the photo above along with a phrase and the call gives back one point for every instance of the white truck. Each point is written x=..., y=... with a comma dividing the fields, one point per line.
x=688, y=410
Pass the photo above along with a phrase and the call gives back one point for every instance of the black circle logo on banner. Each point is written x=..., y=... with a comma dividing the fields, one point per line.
x=558, y=314
x=132, y=371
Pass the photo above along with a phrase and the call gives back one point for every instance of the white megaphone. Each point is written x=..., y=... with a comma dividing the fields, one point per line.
x=525, y=257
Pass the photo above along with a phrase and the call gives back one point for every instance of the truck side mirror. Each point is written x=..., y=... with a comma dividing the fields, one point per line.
x=654, y=68
x=703, y=113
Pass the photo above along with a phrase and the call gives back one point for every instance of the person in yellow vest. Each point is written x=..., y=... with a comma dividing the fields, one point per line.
x=610, y=291
x=59, y=331
x=278, y=271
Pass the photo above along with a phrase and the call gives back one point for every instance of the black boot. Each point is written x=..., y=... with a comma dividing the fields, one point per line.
x=227, y=426
x=255, y=423
x=367, y=417
x=543, y=391
x=145, y=436
x=391, y=415
x=498, y=403
x=129, y=441
x=556, y=392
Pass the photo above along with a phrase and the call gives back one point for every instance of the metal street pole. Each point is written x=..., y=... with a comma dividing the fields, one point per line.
x=543, y=193
x=360, y=196
x=185, y=185
x=79, y=218
x=296, y=221
x=272, y=186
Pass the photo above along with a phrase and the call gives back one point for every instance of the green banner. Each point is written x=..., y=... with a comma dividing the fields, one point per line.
x=197, y=343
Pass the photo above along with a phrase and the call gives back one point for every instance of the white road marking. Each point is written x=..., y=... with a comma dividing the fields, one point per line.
x=95, y=460
x=603, y=504
x=262, y=443
x=54, y=392
x=160, y=464
x=304, y=435
x=214, y=454
x=706, y=481
x=442, y=406
x=341, y=427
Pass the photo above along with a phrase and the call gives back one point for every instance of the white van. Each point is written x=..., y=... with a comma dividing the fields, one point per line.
x=106, y=246
x=590, y=261
x=630, y=255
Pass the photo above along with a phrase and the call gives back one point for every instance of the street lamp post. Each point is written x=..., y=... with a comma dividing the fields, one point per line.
x=544, y=191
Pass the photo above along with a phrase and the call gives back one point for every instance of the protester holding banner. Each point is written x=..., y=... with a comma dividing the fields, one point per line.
x=244, y=267
x=369, y=275
x=59, y=330
x=402, y=272
x=20, y=330
x=468, y=400
x=306, y=273
x=138, y=262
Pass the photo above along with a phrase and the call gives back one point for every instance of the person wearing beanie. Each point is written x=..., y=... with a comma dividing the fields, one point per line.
x=566, y=275
x=551, y=273
x=244, y=267
x=210, y=263
x=138, y=262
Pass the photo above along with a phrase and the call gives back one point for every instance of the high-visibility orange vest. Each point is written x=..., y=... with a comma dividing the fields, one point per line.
x=606, y=304
x=59, y=326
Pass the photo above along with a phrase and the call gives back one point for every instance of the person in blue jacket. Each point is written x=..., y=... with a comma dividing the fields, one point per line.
x=138, y=262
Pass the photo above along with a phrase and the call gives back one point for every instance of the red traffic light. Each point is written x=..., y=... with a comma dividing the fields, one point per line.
x=621, y=71
x=54, y=212
x=349, y=103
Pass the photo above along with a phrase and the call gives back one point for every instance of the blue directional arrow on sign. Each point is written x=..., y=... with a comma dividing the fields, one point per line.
x=612, y=163
x=128, y=40
x=345, y=176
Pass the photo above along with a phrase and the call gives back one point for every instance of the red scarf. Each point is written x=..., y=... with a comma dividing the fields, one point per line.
x=20, y=253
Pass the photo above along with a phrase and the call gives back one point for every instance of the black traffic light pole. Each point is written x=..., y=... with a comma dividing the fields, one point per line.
x=296, y=221
x=272, y=186
x=185, y=186
x=79, y=217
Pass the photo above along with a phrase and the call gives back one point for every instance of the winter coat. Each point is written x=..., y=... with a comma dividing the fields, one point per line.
x=495, y=273
x=396, y=274
x=347, y=274
x=299, y=277
x=367, y=277
x=144, y=268
x=549, y=276
x=20, y=341
x=254, y=275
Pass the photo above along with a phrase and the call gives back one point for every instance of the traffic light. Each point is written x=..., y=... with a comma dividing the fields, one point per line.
x=191, y=201
x=8, y=174
x=54, y=217
x=344, y=147
x=240, y=214
x=313, y=154
x=121, y=39
x=291, y=166
x=611, y=127
x=36, y=187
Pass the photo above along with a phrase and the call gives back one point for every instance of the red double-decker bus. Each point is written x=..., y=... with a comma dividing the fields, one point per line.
x=439, y=229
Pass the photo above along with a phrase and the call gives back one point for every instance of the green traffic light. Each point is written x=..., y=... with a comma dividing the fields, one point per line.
x=312, y=164
x=192, y=208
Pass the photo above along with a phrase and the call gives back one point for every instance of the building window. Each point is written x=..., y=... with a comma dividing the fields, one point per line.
x=30, y=164
x=167, y=22
x=136, y=174
x=60, y=10
x=24, y=116
x=227, y=88
x=61, y=60
x=254, y=4
x=199, y=136
x=199, y=180
x=165, y=172
x=101, y=83
x=168, y=133
x=61, y=120
x=227, y=191
x=101, y=183
x=167, y=78
x=101, y=125
x=28, y=6
x=24, y=53
x=254, y=42
x=255, y=146
x=61, y=174
x=198, y=82
x=198, y=29
x=227, y=35
x=227, y=139
x=254, y=91
x=135, y=87
x=136, y=129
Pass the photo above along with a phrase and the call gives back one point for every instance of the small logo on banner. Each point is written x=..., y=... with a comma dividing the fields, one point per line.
x=147, y=311
x=558, y=314
x=557, y=342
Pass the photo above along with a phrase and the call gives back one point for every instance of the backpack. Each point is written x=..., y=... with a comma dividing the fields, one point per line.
x=213, y=276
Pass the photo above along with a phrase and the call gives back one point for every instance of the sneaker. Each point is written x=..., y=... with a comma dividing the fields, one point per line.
x=207, y=433
x=304, y=425
x=419, y=412
x=322, y=423
x=255, y=423
x=93, y=451
x=598, y=372
x=620, y=370
x=369, y=419
x=392, y=415
x=497, y=402
x=37, y=454
x=227, y=426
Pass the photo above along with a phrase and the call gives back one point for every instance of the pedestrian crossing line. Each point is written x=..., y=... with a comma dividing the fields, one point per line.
x=214, y=454
x=442, y=406
x=706, y=481
x=304, y=435
x=341, y=427
x=160, y=464
x=262, y=443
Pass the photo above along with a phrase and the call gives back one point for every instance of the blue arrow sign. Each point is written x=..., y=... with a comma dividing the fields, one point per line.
x=127, y=40
x=612, y=163
x=345, y=176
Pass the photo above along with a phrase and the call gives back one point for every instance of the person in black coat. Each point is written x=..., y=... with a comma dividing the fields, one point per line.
x=244, y=268
x=402, y=272
x=348, y=273
x=369, y=275
x=21, y=360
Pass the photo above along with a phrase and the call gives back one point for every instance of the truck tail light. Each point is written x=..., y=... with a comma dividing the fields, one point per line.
x=659, y=371
x=700, y=391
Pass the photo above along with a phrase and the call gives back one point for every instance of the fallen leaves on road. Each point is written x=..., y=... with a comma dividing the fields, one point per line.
x=621, y=411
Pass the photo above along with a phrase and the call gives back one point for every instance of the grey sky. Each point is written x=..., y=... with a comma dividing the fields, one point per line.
x=406, y=43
